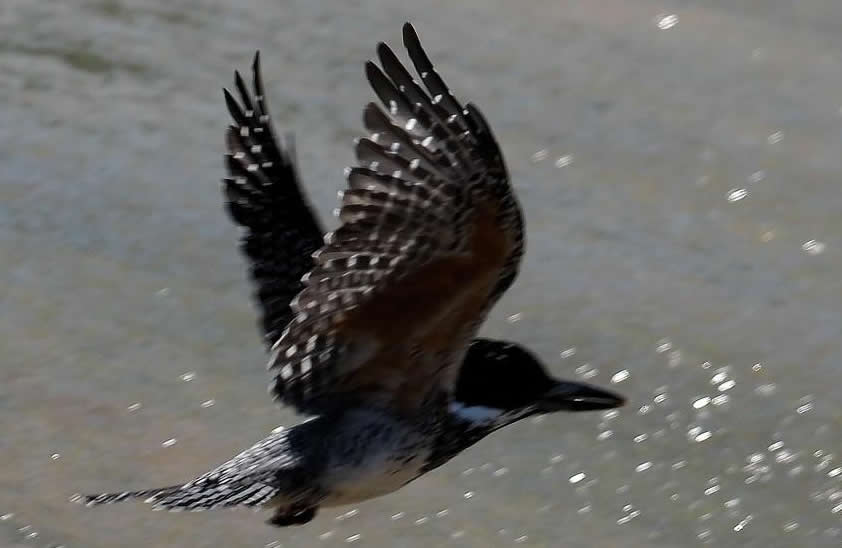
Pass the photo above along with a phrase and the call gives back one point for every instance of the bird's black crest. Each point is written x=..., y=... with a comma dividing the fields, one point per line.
x=501, y=375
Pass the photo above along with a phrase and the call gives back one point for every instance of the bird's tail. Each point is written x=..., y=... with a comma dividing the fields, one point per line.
x=201, y=494
x=151, y=496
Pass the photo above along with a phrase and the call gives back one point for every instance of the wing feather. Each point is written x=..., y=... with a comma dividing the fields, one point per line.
x=264, y=196
x=430, y=236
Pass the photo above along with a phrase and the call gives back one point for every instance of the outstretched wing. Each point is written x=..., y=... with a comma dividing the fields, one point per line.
x=430, y=236
x=264, y=196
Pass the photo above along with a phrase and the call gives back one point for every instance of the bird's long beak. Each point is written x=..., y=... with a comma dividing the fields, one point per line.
x=574, y=396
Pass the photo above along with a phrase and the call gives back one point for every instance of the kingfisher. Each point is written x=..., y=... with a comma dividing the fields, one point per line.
x=371, y=328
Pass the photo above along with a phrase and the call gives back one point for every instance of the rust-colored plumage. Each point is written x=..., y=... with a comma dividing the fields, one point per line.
x=430, y=237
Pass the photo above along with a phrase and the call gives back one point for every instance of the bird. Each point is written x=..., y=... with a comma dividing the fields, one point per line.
x=371, y=328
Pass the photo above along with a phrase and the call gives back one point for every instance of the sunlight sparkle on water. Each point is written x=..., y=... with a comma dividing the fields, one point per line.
x=627, y=518
x=643, y=466
x=813, y=247
x=737, y=194
x=757, y=176
x=742, y=524
x=727, y=385
x=620, y=376
x=663, y=346
x=720, y=400
x=766, y=389
x=667, y=21
x=564, y=161
x=540, y=155
x=720, y=376
x=704, y=436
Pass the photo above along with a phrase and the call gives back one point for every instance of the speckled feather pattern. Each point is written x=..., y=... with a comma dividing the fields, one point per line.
x=337, y=458
x=274, y=465
x=264, y=196
x=426, y=166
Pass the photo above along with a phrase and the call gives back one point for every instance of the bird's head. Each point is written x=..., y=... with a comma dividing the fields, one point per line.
x=502, y=382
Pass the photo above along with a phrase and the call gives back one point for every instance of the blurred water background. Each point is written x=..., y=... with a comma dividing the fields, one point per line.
x=679, y=166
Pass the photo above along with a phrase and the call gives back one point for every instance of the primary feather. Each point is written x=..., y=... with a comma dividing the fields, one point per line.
x=430, y=236
x=264, y=196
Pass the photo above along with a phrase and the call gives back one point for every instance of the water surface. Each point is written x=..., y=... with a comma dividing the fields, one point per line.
x=678, y=163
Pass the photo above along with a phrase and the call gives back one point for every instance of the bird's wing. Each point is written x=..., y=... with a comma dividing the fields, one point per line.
x=264, y=196
x=430, y=236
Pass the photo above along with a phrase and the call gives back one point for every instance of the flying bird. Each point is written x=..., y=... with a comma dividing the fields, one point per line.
x=371, y=328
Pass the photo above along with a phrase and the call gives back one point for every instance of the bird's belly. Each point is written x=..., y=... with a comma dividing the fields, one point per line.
x=373, y=456
x=373, y=477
